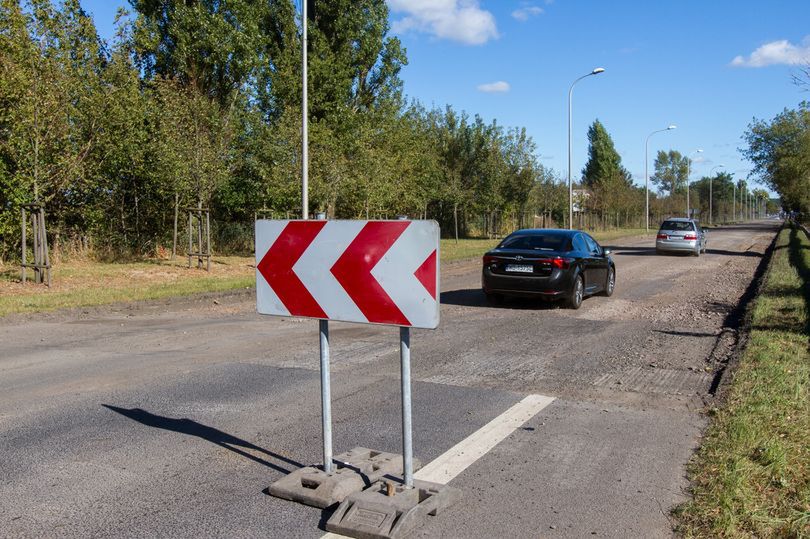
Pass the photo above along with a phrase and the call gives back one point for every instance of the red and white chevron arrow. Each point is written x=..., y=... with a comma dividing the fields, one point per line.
x=378, y=272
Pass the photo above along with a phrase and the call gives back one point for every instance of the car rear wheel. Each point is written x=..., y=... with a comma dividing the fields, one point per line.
x=696, y=252
x=577, y=293
x=610, y=283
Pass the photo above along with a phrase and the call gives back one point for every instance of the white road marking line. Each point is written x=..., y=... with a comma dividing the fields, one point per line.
x=458, y=458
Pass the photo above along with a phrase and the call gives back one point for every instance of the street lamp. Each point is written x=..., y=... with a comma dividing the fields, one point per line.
x=647, y=175
x=688, y=171
x=734, y=201
x=710, y=189
x=570, y=184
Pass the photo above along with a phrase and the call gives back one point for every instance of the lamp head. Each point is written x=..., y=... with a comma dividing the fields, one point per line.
x=598, y=70
x=699, y=150
x=672, y=127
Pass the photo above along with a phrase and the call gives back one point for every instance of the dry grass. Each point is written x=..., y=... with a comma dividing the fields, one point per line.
x=86, y=283
x=83, y=283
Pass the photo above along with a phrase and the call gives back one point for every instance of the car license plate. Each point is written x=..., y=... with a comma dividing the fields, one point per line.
x=520, y=268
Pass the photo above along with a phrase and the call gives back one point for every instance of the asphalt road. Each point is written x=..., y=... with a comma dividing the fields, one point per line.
x=170, y=419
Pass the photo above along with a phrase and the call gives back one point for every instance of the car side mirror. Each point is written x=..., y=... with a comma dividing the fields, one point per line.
x=606, y=252
x=705, y=230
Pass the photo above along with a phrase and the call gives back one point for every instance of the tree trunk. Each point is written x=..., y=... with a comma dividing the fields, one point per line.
x=174, y=235
x=455, y=220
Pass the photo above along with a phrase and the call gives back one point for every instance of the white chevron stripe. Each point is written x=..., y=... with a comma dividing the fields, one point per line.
x=395, y=273
x=314, y=265
x=267, y=302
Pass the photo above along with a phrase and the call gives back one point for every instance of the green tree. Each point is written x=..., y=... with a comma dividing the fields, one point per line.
x=208, y=45
x=780, y=152
x=50, y=96
x=604, y=174
x=670, y=172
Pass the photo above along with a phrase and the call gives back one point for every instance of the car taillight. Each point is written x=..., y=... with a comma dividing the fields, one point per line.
x=662, y=236
x=690, y=237
x=561, y=263
x=488, y=259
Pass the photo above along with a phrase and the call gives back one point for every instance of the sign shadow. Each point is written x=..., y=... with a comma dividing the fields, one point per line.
x=190, y=427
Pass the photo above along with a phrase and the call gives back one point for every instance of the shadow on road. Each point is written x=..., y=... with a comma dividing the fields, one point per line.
x=215, y=436
x=633, y=251
x=733, y=253
x=650, y=251
x=685, y=333
x=474, y=297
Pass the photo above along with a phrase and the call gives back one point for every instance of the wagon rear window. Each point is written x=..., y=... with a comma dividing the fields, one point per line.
x=677, y=225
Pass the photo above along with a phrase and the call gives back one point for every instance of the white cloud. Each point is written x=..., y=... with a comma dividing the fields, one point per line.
x=498, y=87
x=525, y=13
x=776, y=52
x=457, y=20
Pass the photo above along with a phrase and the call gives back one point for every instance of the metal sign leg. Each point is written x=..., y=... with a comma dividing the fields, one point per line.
x=407, y=440
x=326, y=397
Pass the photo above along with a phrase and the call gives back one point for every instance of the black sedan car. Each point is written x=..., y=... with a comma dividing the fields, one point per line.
x=549, y=264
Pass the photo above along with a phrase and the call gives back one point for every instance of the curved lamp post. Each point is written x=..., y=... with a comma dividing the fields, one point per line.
x=710, y=189
x=570, y=184
x=647, y=175
x=733, y=200
x=688, y=172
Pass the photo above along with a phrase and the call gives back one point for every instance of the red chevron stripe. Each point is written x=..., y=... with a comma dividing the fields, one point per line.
x=277, y=268
x=353, y=271
x=426, y=274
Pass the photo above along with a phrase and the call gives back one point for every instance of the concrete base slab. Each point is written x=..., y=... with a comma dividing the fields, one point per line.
x=356, y=470
x=388, y=510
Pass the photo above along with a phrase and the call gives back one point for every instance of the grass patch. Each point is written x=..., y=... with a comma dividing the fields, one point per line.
x=87, y=283
x=751, y=476
x=467, y=248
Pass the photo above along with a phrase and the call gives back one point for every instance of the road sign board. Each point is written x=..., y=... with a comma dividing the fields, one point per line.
x=378, y=272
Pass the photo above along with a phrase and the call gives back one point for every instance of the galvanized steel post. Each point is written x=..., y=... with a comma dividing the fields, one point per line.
x=407, y=438
x=326, y=397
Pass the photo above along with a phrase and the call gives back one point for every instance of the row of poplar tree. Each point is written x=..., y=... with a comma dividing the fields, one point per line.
x=198, y=103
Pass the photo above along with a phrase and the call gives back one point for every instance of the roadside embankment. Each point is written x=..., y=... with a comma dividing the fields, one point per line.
x=751, y=476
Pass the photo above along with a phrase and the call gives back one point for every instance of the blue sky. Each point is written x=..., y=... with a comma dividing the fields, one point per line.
x=708, y=67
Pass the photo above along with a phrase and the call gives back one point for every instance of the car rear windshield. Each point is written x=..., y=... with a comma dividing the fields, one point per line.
x=535, y=242
x=677, y=225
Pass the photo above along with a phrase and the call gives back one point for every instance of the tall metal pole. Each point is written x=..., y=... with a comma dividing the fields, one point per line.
x=711, y=172
x=304, y=119
x=734, y=202
x=647, y=177
x=570, y=144
x=688, y=174
x=647, y=185
x=407, y=440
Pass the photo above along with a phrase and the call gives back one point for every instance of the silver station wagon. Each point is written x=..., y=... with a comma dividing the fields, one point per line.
x=679, y=234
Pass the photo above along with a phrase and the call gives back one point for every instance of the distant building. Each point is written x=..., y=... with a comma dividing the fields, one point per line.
x=580, y=198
